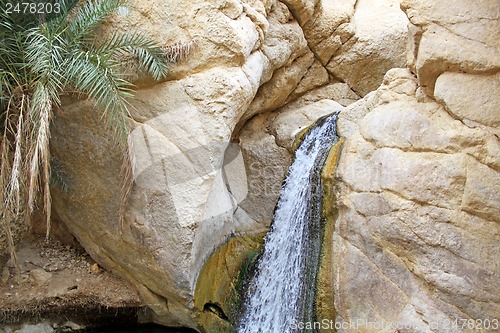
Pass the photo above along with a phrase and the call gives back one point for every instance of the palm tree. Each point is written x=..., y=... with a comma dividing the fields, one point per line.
x=42, y=57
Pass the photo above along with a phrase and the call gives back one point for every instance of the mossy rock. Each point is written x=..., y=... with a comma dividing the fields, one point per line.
x=299, y=137
x=325, y=309
x=220, y=285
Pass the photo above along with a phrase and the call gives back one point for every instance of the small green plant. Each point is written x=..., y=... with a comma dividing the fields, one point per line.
x=43, y=56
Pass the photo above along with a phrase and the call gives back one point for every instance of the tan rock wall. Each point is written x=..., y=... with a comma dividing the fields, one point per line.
x=248, y=57
x=416, y=241
x=417, y=237
x=417, y=233
x=463, y=37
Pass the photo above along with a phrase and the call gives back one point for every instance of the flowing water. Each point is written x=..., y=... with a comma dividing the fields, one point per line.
x=282, y=291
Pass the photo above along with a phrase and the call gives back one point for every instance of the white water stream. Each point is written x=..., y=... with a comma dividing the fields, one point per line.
x=276, y=297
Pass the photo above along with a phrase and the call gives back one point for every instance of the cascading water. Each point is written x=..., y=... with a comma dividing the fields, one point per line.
x=283, y=289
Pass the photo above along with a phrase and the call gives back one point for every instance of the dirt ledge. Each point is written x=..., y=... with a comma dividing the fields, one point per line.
x=61, y=283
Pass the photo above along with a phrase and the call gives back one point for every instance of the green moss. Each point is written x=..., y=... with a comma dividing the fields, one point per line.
x=221, y=283
x=246, y=270
x=325, y=291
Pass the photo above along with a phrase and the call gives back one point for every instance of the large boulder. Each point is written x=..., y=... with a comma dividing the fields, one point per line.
x=473, y=98
x=378, y=44
x=357, y=41
x=416, y=241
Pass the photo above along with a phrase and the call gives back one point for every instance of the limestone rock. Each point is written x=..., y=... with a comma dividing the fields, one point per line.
x=224, y=32
x=472, y=97
x=221, y=283
x=266, y=142
x=464, y=37
x=416, y=240
x=357, y=41
x=266, y=165
x=40, y=277
x=316, y=77
x=274, y=93
x=377, y=44
x=337, y=91
x=4, y=277
x=19, y=229
x=320, y=19
x=482, y=191
x=35, y=328
x=69, y=325
x=288, y=123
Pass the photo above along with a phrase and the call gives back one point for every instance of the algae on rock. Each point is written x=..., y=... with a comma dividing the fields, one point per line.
x=325, y=309
x=220, y=285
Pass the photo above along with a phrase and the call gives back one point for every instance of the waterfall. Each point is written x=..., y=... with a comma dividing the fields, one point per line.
x=282, y=291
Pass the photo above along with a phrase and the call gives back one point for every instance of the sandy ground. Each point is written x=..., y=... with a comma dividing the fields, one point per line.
x=60, y=282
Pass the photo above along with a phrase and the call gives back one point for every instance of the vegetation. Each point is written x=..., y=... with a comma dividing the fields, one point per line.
x=42, y=57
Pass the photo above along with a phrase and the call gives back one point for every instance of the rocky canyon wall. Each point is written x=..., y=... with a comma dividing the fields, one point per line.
x=417, y=181
x=416, y=243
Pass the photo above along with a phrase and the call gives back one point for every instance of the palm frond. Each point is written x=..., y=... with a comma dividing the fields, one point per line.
x=151, y=58
x=13, y=187
x=5, y=91
x=90, y=15
x=6, y=213
x=66, y=8
x=12, y=54
x=96, y=76
x=45, y=56
x=41, y=112
x=5, y=165
x=178, y=51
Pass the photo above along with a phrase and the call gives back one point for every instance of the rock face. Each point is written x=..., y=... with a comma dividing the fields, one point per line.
x=416, y=240
x=417, y=183
x=202, y=172
x=459, y=38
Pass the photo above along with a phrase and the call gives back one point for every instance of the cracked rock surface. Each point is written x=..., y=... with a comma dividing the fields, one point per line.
x=416, y=241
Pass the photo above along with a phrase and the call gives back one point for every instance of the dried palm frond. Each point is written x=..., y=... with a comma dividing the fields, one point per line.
x=178, y=51
x=6, y=214
x=128, y=167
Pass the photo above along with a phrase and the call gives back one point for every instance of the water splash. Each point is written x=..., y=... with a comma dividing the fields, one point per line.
x=282, y=290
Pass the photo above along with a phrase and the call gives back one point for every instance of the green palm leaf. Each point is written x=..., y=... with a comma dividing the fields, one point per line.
x=95, y=75
x=148, y=55
x=90, y=15
x=44, y=56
